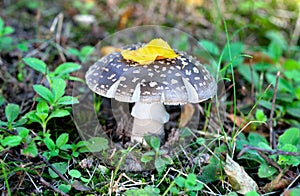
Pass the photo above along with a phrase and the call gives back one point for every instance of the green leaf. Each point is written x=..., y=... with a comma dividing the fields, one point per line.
x=49, y=143
x=252, y=78
x=290, y=136
x=190, y=180
x=58, y=88
x=252, y=193
x=260, y=116
x=62, y=140
x=65, y=187
x=153, y=142
x=8, y=30
x=278, y=38
x=36, y=64
x=236, y=49
x=95, y=144
x=288, y=159
x=297, y=92
x=147, y=158
x=295, y=192
x=33, y=117
x=67, y=100
x=180, y=181
x=293, y=109
x=74, y=173
x=159, y=164
x=43, y=92
x=266, y=171
x=42, y=107
x=12, y=112
x=31, y=150
x=255, y=138
x=58, y=113
x=66, y=68
x=61, y=167
x=11, y=141
x=23, y=132
x=210, y=47
x=275, y=51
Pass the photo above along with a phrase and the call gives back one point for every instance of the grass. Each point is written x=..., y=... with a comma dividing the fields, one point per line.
x=41, y=146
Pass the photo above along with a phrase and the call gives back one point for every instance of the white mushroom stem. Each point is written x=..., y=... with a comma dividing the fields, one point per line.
x=149, y=119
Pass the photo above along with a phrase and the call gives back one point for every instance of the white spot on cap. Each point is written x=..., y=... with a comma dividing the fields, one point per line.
x=195, y=70
x=111, y=77
x=197, y=78
x=173, y=81
x=153, y=84
x=135, y=79
x=188, y=72
x=136, y=71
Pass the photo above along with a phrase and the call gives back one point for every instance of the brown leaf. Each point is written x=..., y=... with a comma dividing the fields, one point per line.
x=240, y=181
x=80, y=187
x=125, y=17
x=277, y=183
x=186, y=115
x=109, y=49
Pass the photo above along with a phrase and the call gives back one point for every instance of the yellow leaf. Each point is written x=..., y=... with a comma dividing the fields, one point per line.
x=156, y=49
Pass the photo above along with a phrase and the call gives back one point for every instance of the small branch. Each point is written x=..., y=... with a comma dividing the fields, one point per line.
x=47, y=184
x=272, y=135
x=271, y=152
x=53, y=168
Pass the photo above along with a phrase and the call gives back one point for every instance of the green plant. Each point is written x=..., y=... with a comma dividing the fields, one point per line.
x=189, y=185
x=52, y=101
x=160, y=157
x=82, y=53
x=19, y=134
x=146, y=191
x=285, y=154
x=5, y=40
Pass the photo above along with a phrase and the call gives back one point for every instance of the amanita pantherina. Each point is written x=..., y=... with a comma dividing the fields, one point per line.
x=170, y=78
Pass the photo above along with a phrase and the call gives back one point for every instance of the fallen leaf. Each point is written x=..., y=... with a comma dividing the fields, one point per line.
x=240, y=181
x=186, y=115
x=125, y=17
x=109, y=49
x=79, y=186
x=277, y=183
x=156, y=49
x=240, y=121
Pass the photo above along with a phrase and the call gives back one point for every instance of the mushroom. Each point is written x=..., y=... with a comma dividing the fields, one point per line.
x=151, y=85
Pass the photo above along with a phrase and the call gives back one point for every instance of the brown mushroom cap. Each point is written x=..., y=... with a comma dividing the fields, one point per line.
x=174, y=81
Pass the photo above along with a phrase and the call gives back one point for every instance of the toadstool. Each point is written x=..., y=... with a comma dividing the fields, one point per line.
x=151, y=75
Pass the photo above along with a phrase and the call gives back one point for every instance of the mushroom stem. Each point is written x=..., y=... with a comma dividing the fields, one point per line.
x=149, y=119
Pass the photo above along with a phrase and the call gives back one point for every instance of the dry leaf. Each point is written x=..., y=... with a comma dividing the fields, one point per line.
x=125, y=17
x=186, y=115
x=240, y=181
x=277, y=183
x=240, y=122
x=109, y=49
x=156, y=49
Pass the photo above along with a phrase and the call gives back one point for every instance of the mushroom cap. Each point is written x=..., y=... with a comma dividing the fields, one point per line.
x=174, y=81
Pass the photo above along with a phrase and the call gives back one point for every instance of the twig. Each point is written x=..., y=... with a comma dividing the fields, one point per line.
x=38, y=190
x=47, y=184
x=277, y=152
x=272, y=135
x=291, y=184
x=270, y=161
x=58, y=36
x=53, y=168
